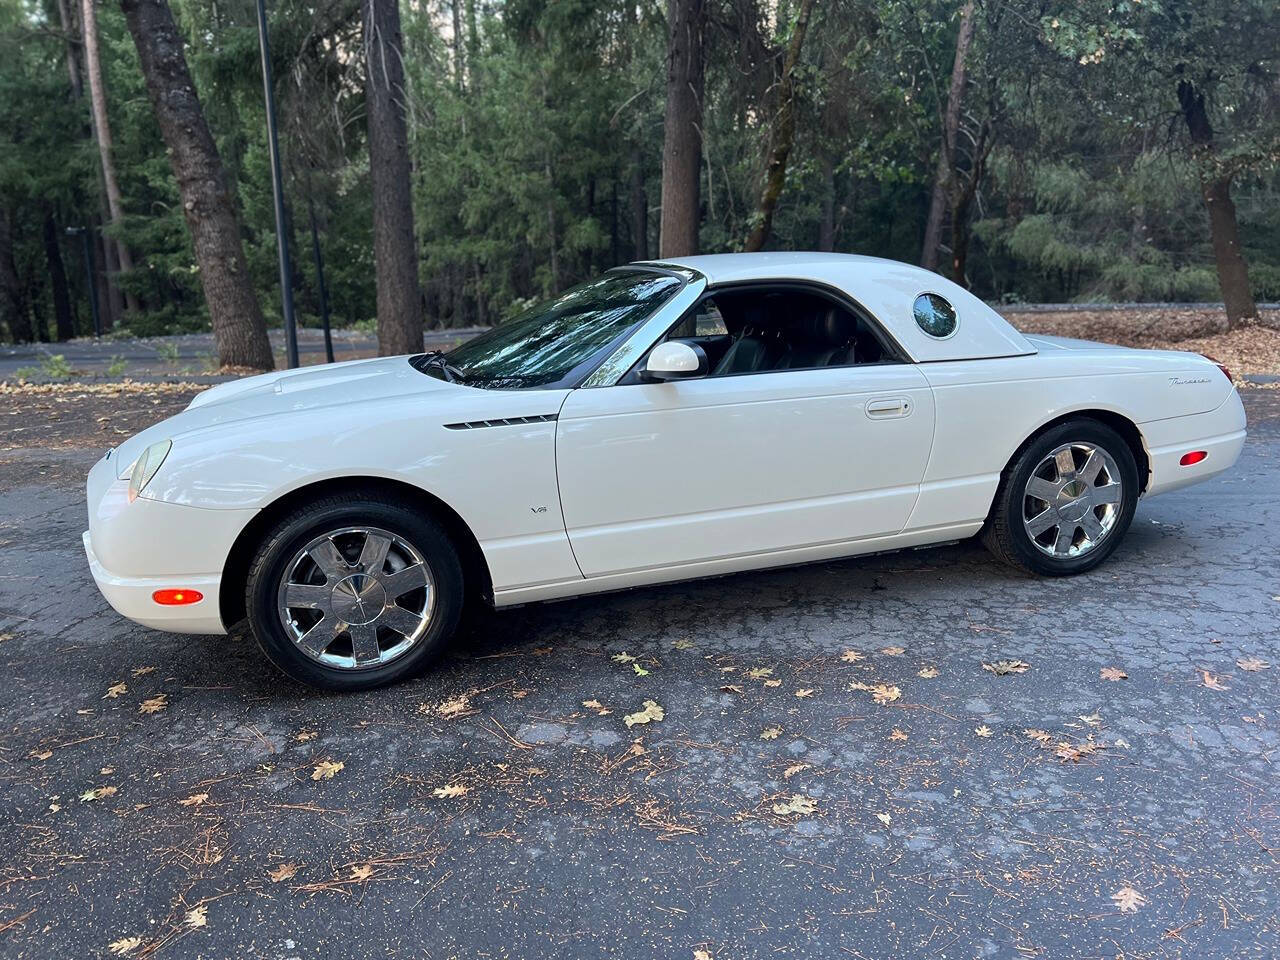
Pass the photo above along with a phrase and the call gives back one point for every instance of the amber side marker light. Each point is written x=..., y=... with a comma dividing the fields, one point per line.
x=1195, y=456
x=177, y=598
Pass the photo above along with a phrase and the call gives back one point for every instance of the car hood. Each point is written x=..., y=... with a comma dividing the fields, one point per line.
x=290, y=391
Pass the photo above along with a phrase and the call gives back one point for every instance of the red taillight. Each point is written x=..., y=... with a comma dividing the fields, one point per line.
x=1221, y=366
x=177, y=598
x=1195, y=456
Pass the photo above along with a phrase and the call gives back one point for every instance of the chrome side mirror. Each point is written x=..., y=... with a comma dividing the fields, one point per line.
x=674, y=360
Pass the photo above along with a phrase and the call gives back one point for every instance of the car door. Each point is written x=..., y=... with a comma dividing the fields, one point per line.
x=656, y=475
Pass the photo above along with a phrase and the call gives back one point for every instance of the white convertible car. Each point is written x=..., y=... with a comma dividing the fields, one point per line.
x=666, y=421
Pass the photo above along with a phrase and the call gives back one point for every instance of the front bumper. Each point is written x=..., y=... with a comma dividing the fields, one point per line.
x=131, y=597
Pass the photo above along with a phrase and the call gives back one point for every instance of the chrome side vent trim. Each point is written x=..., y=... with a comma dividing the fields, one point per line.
x=502, y=422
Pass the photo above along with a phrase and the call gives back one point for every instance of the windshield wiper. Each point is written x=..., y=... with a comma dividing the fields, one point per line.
x=436, y=359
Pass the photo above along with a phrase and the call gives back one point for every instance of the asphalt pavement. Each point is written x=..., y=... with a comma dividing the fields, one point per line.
x=835, y=773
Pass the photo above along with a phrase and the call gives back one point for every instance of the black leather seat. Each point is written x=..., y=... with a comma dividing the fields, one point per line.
x=757, y=348
x=821, y=337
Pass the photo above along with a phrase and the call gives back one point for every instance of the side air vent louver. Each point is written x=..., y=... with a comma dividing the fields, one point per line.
x=501, y=422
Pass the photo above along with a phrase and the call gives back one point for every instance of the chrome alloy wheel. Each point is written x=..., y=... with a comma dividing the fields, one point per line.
x=356, y=598
x=1072, y=500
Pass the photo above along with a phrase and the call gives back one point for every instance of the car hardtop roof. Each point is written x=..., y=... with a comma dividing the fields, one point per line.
x=886, y=288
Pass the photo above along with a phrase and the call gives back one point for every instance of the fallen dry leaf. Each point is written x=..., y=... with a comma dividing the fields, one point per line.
x=640, y=671
x=124, y=945
x=451, y=791
x=1112, y=673
x=927, y=672
x=651, y=711
x=852, y=656
x=194, y=800
x=1252, y=664
x=623, y=657
x=1092, y=719
x=792, y=770
x=97, y=793
x=1002, y=668
x=882, y=693
x=1128, y=900
x=983, y=731
x=770, y=733
x=773, y=683
x=1213, y=682
x=304, y=736
x=701, y=955
x=682, y=644
x=362, y=872
x=199, y=917
x=1040, y=736
x=283, y=872
x=898, y=735
x=143, y=671
x=115, y=690
x=804, y=692
x=40, y=754
x=325, y=769
x=157, y=703
x=453, y=707
x=1075, y=752
x=759, y=673
x=893, y=651
x=884, y=818
x=798, y=804
x=731, y=688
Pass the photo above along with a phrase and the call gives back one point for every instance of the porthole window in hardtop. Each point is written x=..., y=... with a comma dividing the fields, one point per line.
x=935, y=316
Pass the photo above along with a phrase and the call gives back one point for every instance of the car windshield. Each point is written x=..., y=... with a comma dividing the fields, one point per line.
x=543, y=345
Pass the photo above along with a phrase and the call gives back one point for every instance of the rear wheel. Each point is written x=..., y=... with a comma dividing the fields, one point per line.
x=349, y=595
x=1066, y=500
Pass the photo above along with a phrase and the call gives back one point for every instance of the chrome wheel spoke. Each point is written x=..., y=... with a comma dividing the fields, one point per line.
x=307, y=596
x=1042, y=489
x=1062, y=543
x=1042, y=521
x=364, y=644
x=1092, y=527
x=1092, y=467
x=403, y=581
x=330, y=561
x=1109, y=493
x=402, y=621
x=373, y=555
x=320, y=637
x=1066, y=464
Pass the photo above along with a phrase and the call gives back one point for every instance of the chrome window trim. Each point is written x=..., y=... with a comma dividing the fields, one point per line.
x=646, y=335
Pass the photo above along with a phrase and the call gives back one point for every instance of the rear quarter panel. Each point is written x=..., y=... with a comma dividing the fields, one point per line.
x=987, y=408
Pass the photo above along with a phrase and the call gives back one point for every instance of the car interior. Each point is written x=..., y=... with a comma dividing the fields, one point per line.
x=754, y=331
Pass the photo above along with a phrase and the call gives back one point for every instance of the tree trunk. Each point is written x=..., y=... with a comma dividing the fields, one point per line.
x=639, y=206
x=394, y=252
x=13, y=306
x=1224, y=231
x=784, y=135
x=946, y=159
x=102, y=130
x=109, y=310
x=63, y=325
x=238, y=327
x=73, y=54
x=682, y=129
x=827, y=222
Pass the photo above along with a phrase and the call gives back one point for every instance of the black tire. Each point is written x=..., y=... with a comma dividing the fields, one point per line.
x=324, y=515
x=1005, y=533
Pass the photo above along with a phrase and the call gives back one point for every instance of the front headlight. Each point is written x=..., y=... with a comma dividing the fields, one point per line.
x=145, y=467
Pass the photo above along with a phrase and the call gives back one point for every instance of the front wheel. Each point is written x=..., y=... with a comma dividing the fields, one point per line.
x=1066, y=500
x=350, y=594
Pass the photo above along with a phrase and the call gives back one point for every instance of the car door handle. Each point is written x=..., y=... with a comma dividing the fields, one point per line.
x=889, y=407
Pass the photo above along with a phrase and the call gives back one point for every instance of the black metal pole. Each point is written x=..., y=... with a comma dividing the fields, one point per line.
x=87, y=247
x=277, y=189
x=324, y=294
